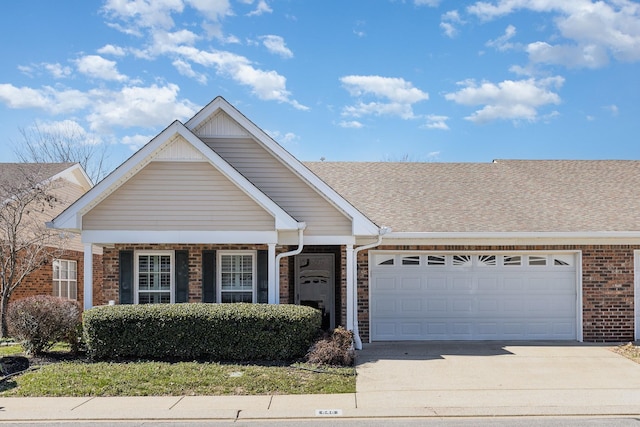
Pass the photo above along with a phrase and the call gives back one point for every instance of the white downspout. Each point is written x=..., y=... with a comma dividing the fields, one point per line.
x=357, y=342
x=301, y=228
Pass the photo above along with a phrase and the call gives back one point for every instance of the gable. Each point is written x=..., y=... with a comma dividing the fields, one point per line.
x=174, y=195
x=282, y=185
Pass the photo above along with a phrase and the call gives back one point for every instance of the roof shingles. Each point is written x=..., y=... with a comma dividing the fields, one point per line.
x=503, y=196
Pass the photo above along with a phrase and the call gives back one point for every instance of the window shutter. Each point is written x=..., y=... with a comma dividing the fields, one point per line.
x=182, y=276
x=208, y=276
x=262, y=269
x=126, y=277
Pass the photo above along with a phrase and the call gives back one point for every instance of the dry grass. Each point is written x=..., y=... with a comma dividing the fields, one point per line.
x=629, y=350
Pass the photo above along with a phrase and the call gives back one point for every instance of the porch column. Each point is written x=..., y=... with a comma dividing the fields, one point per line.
x=352, y=300
x=88, y=276
x=274, y=282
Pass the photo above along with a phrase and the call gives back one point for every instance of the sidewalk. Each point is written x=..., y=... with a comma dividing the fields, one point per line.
x=352, y=405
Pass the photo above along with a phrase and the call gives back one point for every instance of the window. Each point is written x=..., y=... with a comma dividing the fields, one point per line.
x=154, y=277
x=237, y=277
x=436, y=260
x=411, y=260
x=65, y=279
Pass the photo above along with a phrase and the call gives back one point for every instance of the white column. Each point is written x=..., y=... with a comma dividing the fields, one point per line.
x=88, y=276
x=352, y=303
x=274, y=282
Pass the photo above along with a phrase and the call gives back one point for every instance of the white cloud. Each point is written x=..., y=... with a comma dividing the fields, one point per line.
x=613, y=109
x=47, y=98
x=71, y=130
x=136, y=141
x=502, y=43
x=286, y=138
x=266, y=85
x=593, y=31
x=144, y=13
x=507, y=100
x=276, y=45
x=352, y=124
x=436, y=122
x=110, y=49
x=185, y=69
x=58, y=71
x=137, y=106
x=399, y=94
x=97, y=67
x=212, y=9
x=571, y=56
x=261, y=9
x=430, y=3
x=393, y=88
x=448, y=21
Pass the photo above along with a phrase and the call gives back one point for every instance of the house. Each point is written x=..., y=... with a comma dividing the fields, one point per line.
x=214, y=210
x=64, y=258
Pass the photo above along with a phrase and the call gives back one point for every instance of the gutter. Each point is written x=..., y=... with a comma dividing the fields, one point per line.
x=301, y=227
x=357, y=341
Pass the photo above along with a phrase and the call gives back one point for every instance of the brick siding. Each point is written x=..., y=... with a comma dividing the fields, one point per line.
x=40, y=282
x=607, y=286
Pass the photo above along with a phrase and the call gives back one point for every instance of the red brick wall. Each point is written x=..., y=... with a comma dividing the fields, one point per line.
x=111, y=273
x=40, y=282
x=607, y=287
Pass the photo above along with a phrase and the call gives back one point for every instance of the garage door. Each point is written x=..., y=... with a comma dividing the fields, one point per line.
x=432, y=296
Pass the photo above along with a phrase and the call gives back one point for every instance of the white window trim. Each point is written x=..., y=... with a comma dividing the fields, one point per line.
x=65, y=282
x=136, y=271
x=254, y=272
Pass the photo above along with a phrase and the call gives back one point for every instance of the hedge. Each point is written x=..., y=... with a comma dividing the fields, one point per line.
x=193, y=331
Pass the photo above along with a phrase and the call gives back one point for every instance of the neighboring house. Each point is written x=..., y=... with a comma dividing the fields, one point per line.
x=214, y=210
x=62, y=274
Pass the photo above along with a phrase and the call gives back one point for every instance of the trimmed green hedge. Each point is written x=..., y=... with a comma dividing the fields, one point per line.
x=200, y=331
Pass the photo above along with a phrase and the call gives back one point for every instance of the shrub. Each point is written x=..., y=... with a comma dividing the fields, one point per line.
x=38, y=322
x=336, y=350
x=200, y=331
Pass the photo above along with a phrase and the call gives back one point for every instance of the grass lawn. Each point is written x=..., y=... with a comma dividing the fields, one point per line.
x=52, y=376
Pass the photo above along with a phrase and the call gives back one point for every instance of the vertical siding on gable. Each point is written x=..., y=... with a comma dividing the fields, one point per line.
x=220, y=125
x=282, y=185
x=178, y=196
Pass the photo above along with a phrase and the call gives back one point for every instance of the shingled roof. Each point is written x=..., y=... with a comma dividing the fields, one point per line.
x=503, y=196
x=12, y=174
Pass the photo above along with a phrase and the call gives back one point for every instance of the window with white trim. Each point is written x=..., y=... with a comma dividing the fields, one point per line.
x=65, y=279
x=237, y=276
x=154, y=277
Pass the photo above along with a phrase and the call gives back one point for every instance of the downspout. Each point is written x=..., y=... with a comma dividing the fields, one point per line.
x=301, y=228
x=357, y=342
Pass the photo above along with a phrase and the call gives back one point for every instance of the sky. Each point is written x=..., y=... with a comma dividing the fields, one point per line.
x=335, y=80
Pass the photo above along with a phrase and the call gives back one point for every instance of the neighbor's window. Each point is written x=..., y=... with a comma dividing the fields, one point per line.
x=237, y=276
x=154, y=277
x=65, y=279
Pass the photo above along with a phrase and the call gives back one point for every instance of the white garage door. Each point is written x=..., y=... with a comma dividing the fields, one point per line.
x=430, y=296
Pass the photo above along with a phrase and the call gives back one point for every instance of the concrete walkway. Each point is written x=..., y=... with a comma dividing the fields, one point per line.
x=402, y=380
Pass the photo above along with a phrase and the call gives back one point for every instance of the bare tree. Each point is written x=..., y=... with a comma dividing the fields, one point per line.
x=27, y=202
x=66, y=142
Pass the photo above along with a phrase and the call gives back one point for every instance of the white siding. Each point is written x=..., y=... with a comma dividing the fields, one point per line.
x=220, y=125
x=283, y=186
x=179, y=196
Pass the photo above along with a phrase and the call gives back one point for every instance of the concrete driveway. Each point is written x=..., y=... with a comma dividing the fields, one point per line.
x=497, y=378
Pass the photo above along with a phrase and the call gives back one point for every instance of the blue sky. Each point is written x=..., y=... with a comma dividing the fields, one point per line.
x=370, y=80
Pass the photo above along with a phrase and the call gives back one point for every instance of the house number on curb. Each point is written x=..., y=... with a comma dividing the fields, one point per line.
x=328, y=412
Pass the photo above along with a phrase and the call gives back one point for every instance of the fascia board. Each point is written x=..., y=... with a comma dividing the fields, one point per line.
x=514, y=238
x=361, y=224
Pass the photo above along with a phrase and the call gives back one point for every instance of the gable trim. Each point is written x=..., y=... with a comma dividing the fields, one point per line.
x=361, y=225
x=71, y=218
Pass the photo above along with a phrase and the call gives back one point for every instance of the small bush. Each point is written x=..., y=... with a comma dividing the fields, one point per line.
x=336, y=350
x=40, y=321
x=200, y=331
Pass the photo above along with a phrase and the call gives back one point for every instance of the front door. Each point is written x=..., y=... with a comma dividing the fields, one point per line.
x=314, y=285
